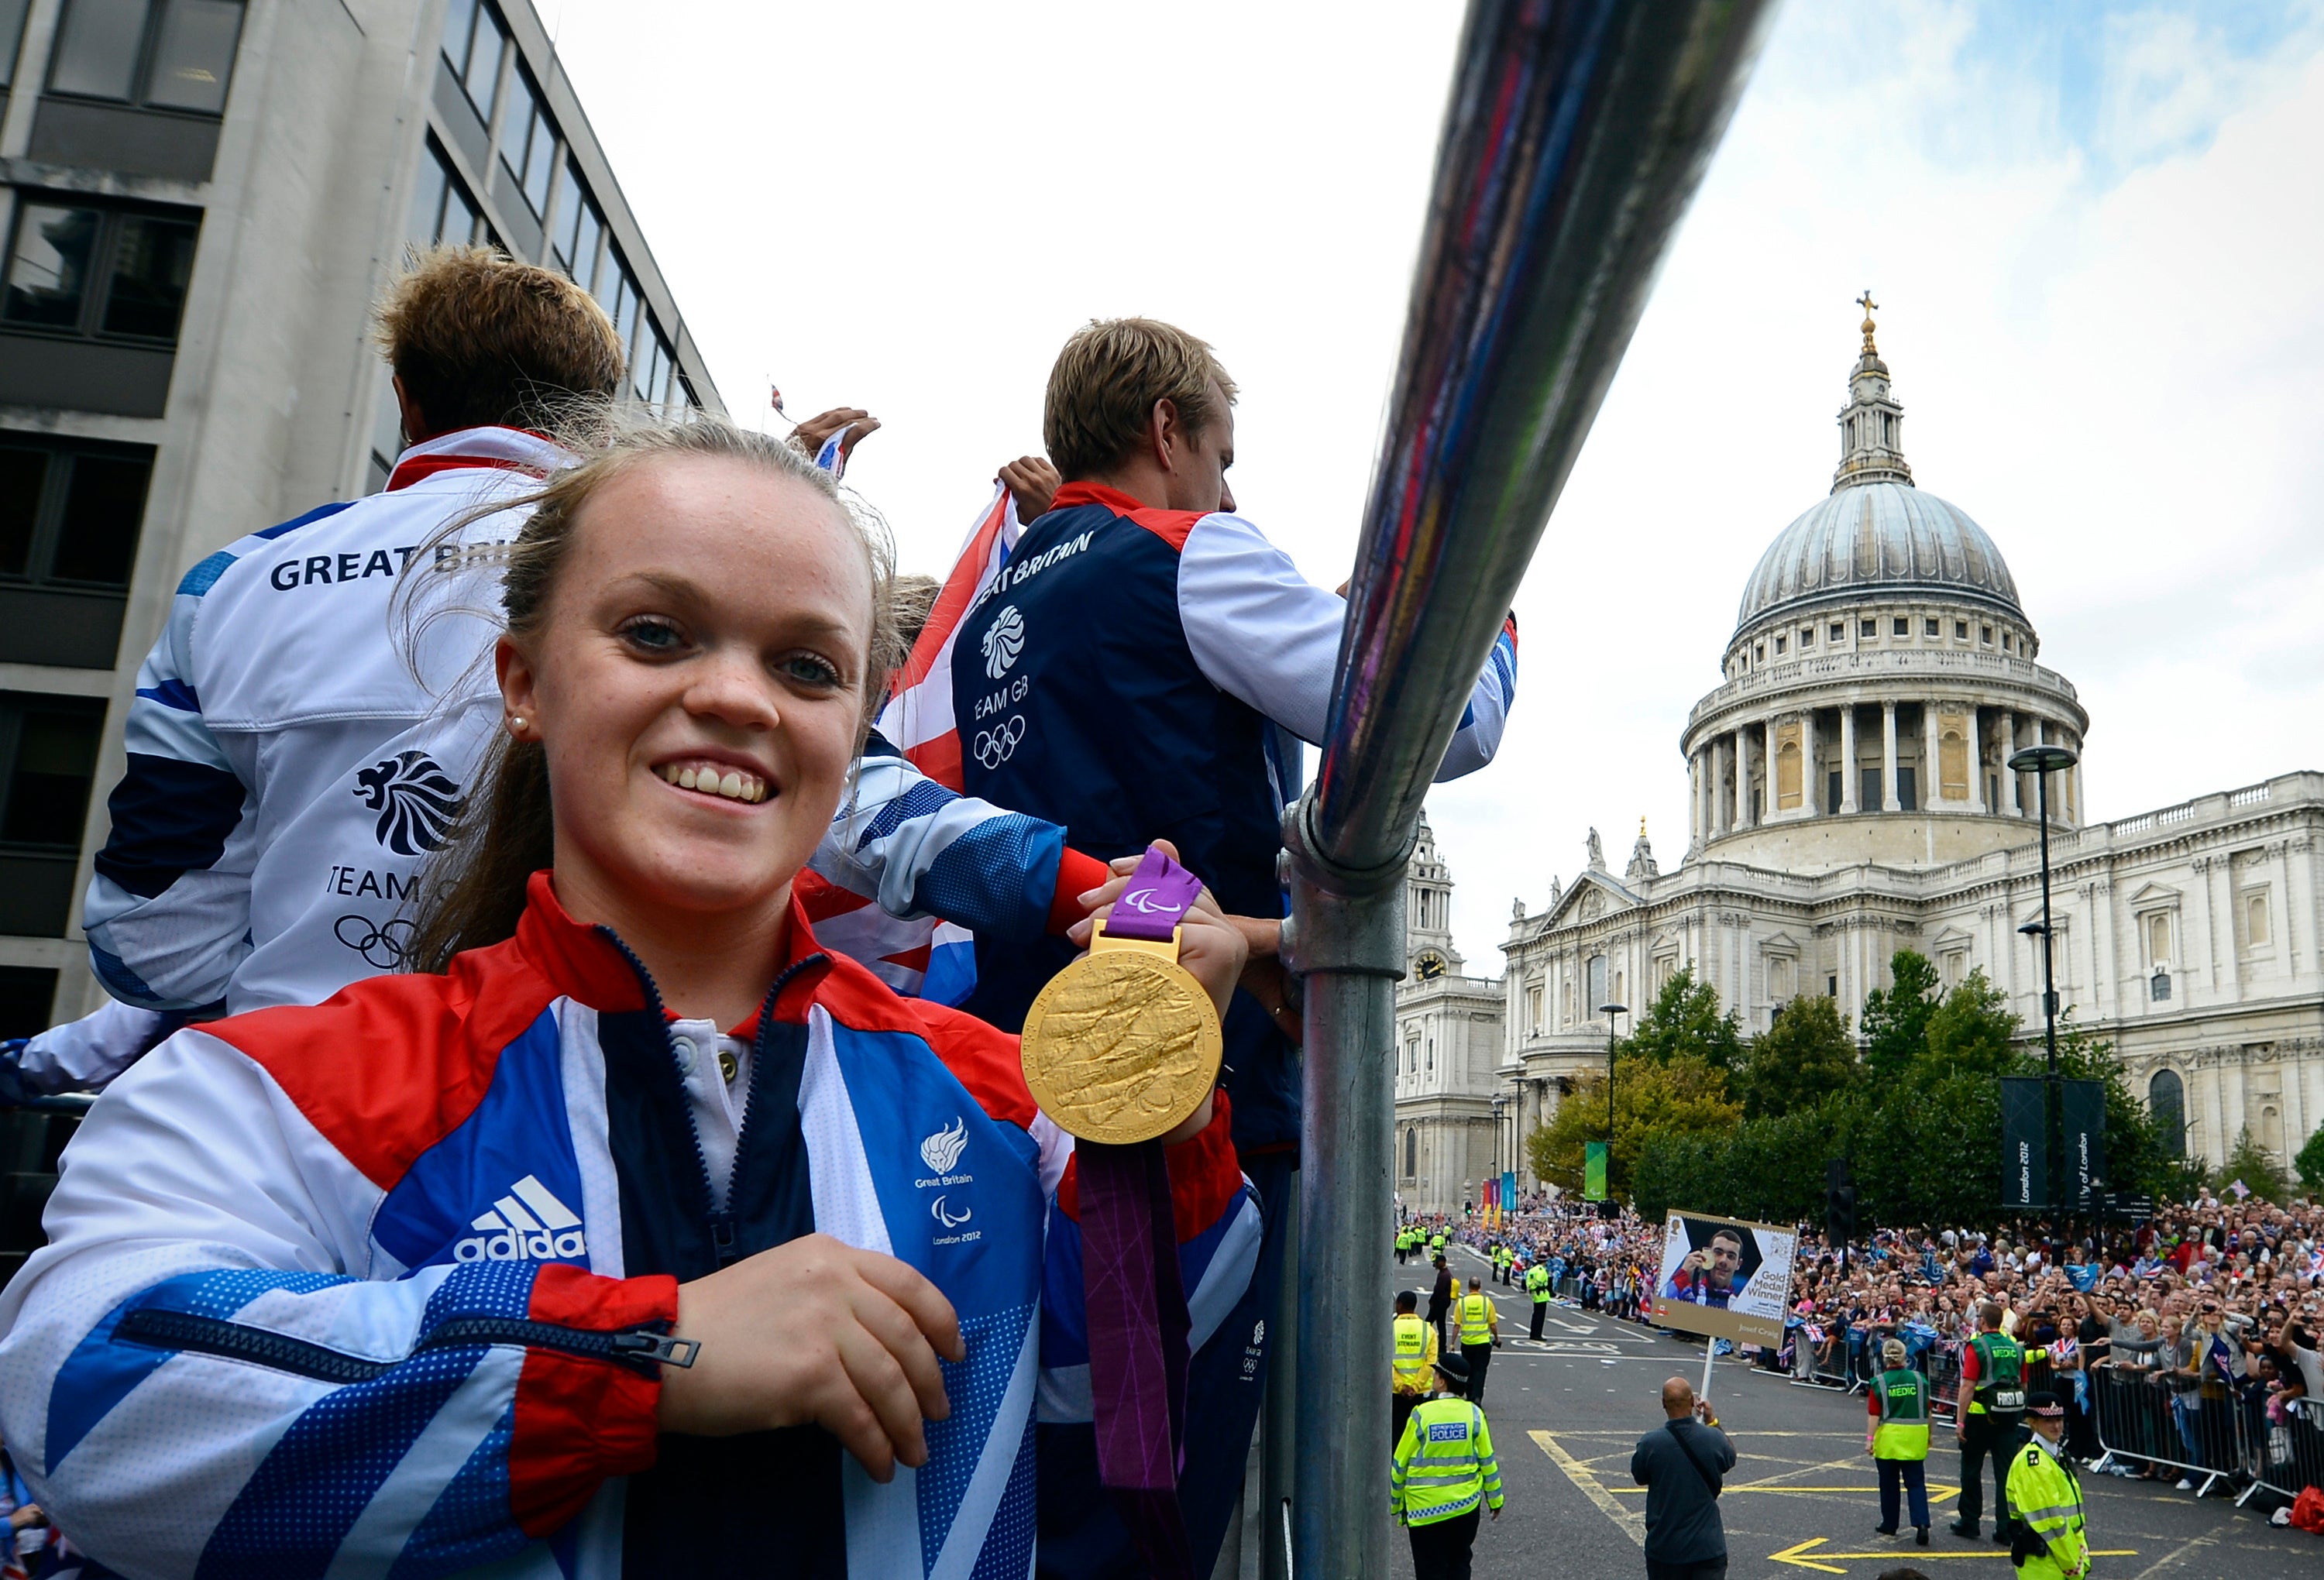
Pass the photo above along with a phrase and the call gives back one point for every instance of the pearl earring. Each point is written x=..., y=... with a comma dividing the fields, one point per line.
x=516, y=724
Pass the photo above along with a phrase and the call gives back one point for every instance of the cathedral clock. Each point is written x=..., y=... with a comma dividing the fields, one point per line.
x=1428, y=965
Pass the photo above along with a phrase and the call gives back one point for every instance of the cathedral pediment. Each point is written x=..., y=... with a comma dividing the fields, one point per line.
x=1952, y=937
x=1594, y=893
x=2153, y=894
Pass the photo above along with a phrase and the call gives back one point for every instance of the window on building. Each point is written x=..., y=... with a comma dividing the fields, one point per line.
x=1831, y=986
x=98, y=273
x=1956, y=966
x=1928, y=628
x=474, y=43
x=1908, y=793
x=48, y=756
x=1985, y=635
x=1867, y=629
x=1783, y=977
x=2256, y=930
x=1779, y=647
x=1839, y=632
x=2157, y=927
x=1432, y=1053
x=528, y=144
x=166, y=54
x=579, y=229
x=1532, y=1007
x=1961, y=630
x=1807, y=636
x=69, y=513
x=2166, y=1102
x=1666, y=967
x=28, y=996
x=441, y=208
x=1904, y=627
x=1411, y=1152
x=1597, y=980
x=12, y=36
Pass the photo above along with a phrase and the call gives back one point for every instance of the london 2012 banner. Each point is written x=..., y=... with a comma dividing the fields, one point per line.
x=1725, y=1277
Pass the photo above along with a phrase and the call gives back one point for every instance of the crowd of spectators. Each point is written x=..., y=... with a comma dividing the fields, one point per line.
x=2189, y=1341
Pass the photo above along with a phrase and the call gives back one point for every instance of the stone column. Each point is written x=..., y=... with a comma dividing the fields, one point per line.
x=1889, y=801
x=2010, y=804
x=1721, y=805
x=1767, y=769
x=1975, y=760
x=1811, y=778
x=1742, y=776
x=1847, y=771
x=1931, y=786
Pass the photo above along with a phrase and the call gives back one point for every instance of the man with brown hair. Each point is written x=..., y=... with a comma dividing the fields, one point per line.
x=306, y=727
x=1145, y=667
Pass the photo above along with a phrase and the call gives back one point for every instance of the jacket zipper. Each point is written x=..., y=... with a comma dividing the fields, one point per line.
x=640, y=1349
x=719, y=1215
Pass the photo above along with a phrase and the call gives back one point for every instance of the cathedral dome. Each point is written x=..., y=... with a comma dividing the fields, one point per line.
x=1877, y=538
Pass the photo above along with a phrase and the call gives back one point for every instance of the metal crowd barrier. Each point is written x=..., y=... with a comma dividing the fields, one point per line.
x=2210, y=1431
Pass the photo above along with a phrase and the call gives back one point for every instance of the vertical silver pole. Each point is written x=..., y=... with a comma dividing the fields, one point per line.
x=1279, y=1436
x=1575, y=135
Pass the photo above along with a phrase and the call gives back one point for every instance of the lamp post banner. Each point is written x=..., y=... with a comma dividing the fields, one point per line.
x=2085, y=1127
x=1593, y=1170
x=1508, y=1189
x=2024, y=1143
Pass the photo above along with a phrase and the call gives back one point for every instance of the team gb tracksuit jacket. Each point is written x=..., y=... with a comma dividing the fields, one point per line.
x=305, y=1313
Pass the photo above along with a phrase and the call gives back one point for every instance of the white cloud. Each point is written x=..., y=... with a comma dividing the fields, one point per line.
x=2096, y=257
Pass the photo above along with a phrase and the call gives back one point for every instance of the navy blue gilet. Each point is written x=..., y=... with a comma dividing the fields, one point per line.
x=1078, y=700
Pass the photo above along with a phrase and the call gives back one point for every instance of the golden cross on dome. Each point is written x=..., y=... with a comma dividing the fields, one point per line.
x=1867, y=304
x=1642, y=827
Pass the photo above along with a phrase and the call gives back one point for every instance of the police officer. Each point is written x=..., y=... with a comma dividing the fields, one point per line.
x=1898, y=1438
x=1413, y=1363
x=1536, y=1283
x=1403, y=1246
x=1443, y=1470
x=1440, y=1297
x=1436, y=1244
x=1993, y=1372
x=1479, y=1325
x=2050, y=1542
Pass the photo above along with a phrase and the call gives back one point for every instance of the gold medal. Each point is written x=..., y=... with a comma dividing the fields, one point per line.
x=1122, y=1045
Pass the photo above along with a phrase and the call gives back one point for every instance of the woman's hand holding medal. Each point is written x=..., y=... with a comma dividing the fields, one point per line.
x=1212, y=947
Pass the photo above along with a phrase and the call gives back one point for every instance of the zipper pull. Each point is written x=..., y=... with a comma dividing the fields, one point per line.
x=722, y=1236
x=643, y=1347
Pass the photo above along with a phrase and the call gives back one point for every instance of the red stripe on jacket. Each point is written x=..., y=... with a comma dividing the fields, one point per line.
x=1171, y=526
x=578, y=1421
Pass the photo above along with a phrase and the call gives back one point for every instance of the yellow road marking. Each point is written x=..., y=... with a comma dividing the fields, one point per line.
x=1811, y=1554
x=1633, y=1523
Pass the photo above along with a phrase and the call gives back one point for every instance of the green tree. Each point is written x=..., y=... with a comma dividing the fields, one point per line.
x=1684, y=1021
x=1971, y=1031
x=2250, y=1162
x=1677, y=1095
x=1896, y=1022
x=1806, y=1057
x=2310, y=1161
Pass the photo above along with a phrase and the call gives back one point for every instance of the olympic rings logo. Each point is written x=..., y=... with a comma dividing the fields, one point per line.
x=381, y=947
x=996, y=746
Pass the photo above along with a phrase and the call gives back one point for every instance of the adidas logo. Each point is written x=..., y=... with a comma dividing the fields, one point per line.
x=528, y=1224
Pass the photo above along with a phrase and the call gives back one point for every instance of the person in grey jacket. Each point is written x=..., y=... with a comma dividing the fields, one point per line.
x=1681, y=1466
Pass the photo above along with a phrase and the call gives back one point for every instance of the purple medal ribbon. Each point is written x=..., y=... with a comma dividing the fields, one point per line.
x=1135, y=1297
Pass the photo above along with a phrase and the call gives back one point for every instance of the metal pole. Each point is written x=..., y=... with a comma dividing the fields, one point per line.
x=2053, y=1118
x=1576, y=133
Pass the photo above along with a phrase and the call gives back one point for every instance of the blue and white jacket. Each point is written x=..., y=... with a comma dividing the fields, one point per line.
x=302, y=735
x=304, y=1315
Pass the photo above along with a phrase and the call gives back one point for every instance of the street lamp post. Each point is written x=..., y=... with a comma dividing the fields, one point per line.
x=1610, y=1011
x=2042, y=761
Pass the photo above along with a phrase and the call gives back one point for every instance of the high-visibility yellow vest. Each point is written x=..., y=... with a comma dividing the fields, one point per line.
x=1476, y=1320
x=1415, y=1353
x=1437, y=1243
x=2047, y=1499
x=1903, y=1433
x=1444, y=1464
x=1538, y=1283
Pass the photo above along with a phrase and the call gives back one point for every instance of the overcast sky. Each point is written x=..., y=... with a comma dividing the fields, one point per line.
x=2093, y=230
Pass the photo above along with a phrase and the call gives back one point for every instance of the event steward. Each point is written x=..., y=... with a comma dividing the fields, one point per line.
x=1897, y=1439
x=1478, y=1323
x=1413, y=1361
x=321, y=698
x=431, y=1307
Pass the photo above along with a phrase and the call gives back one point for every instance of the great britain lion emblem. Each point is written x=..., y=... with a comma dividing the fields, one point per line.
x=417, y=801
